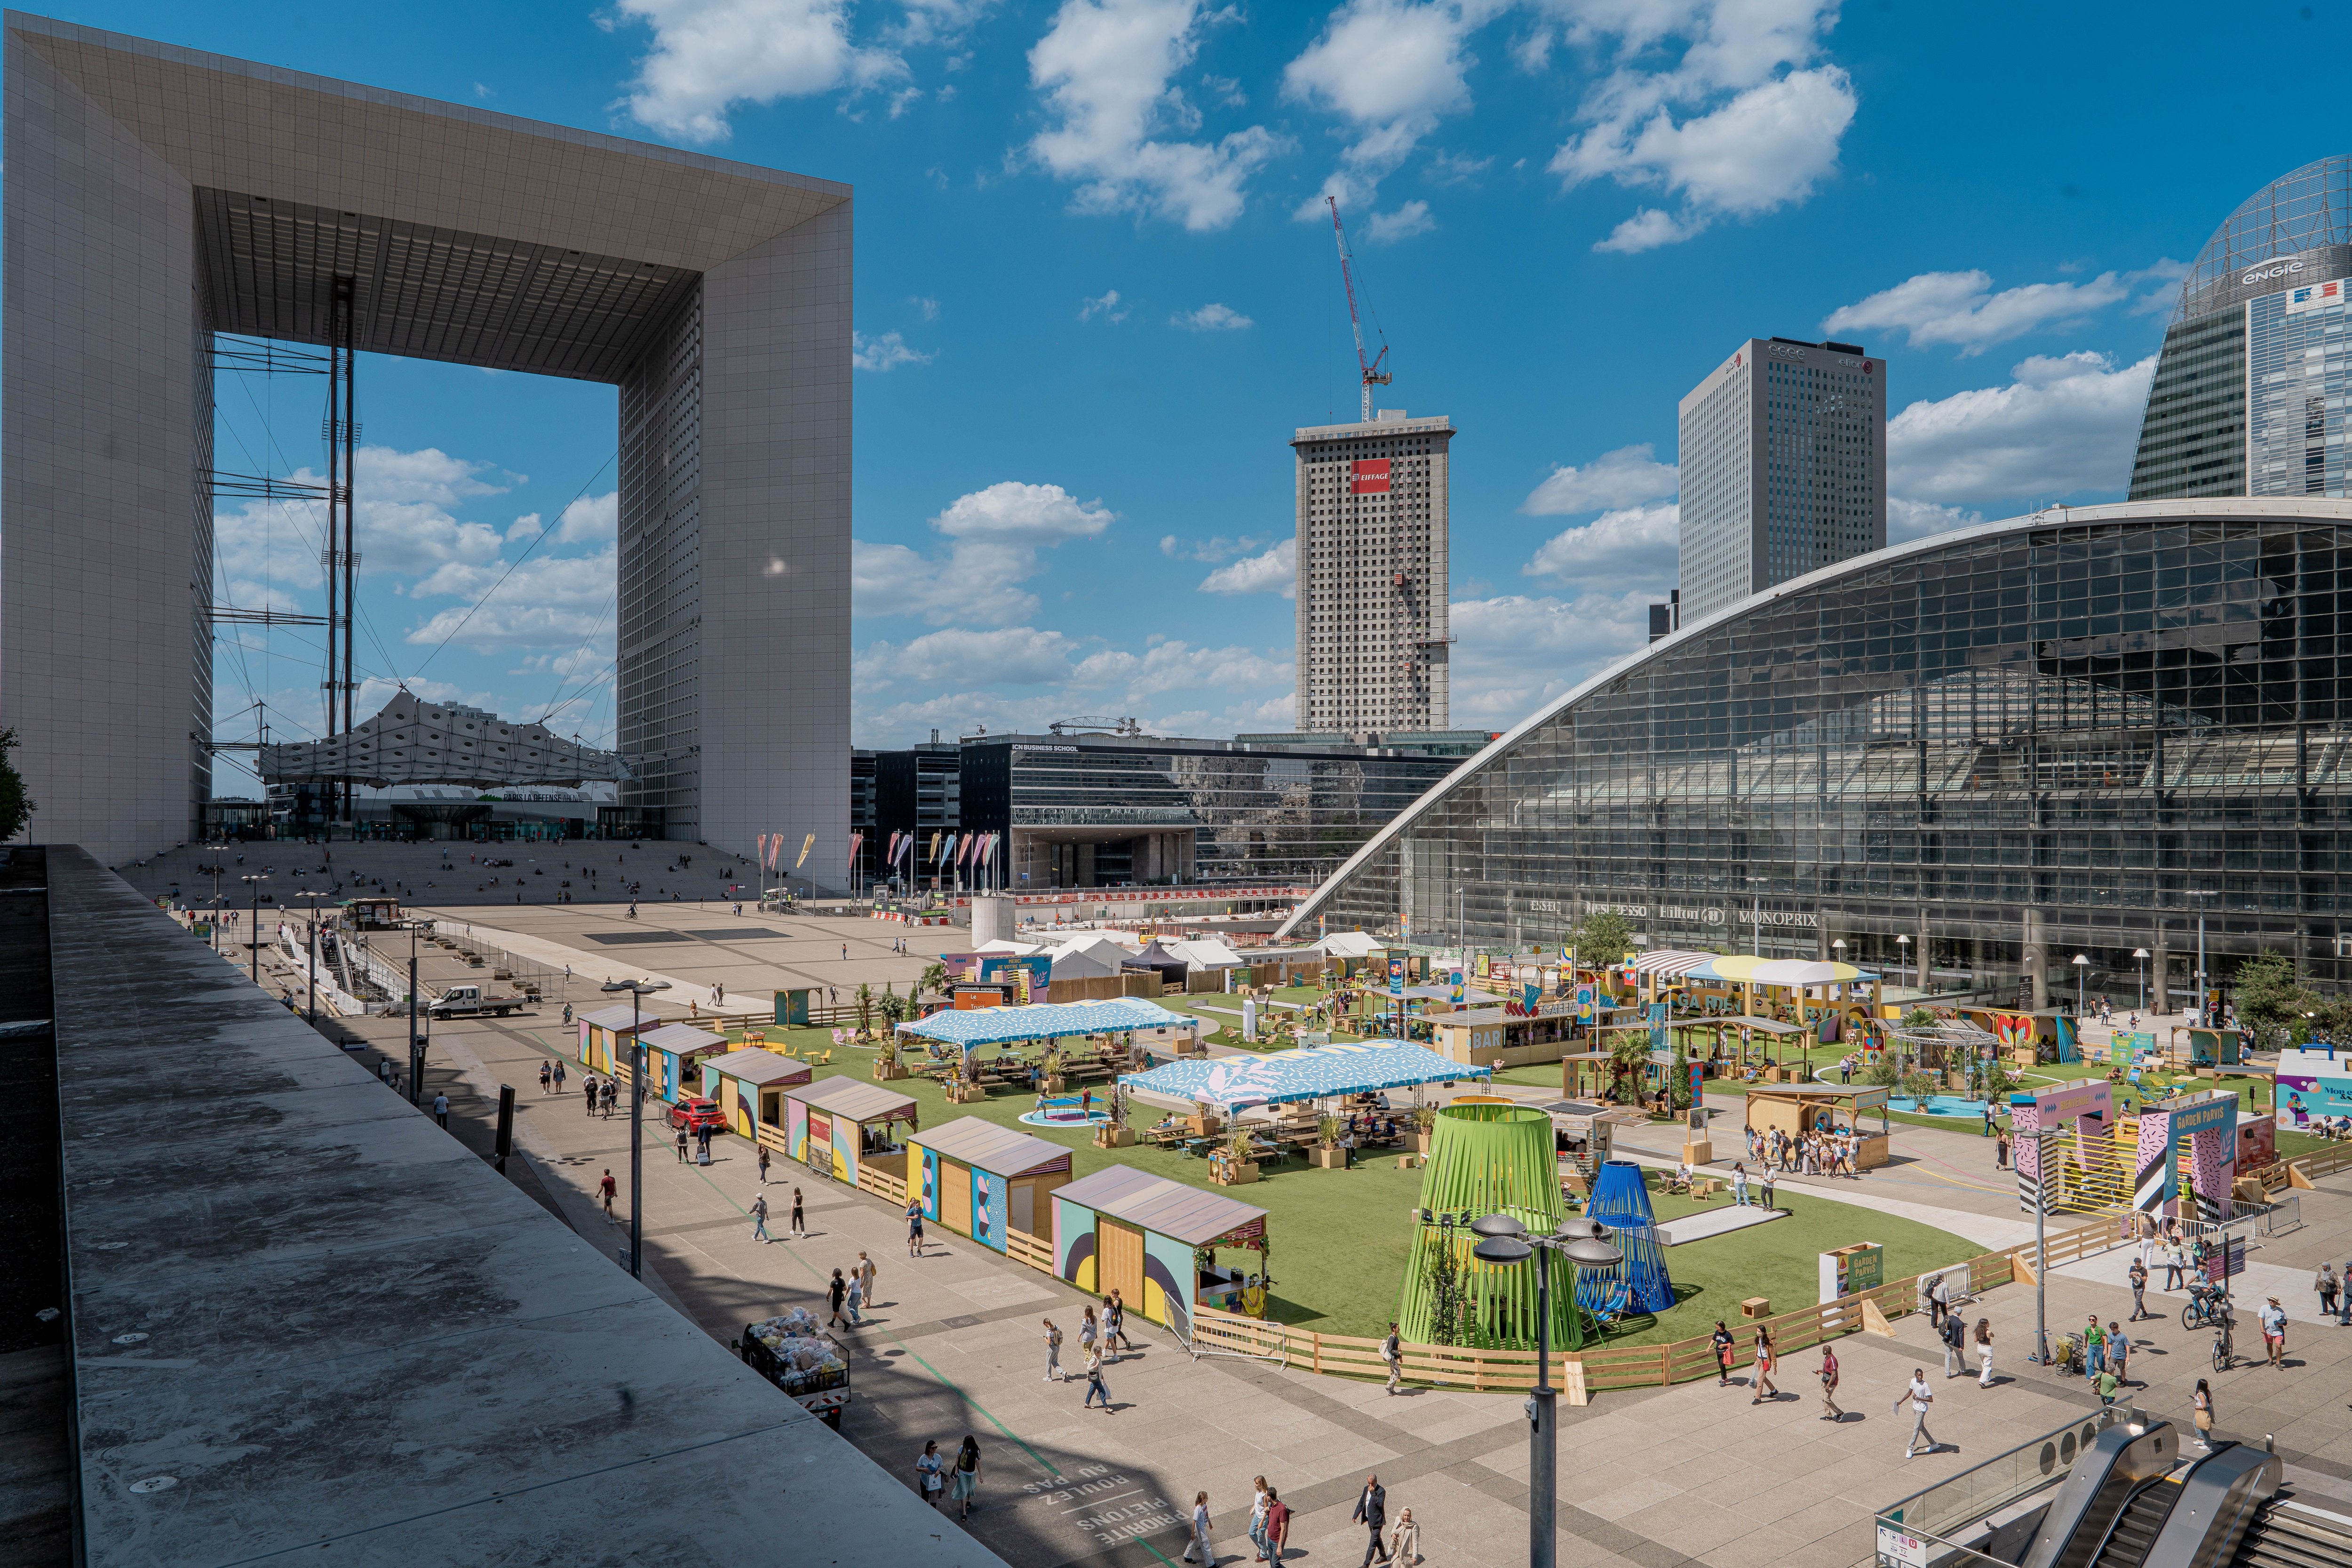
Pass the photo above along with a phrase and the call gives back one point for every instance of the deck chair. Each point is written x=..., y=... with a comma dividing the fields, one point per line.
x=1612, y=1306
x=824, y=1061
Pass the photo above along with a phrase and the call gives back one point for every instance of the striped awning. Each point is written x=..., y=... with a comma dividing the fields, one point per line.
x=1671, y=962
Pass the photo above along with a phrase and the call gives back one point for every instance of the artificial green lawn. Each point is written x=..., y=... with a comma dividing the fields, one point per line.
x=1340, y=1237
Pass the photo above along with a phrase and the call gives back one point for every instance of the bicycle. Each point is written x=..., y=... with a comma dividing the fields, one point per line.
x=2224, y=1345
x=2205, y=1309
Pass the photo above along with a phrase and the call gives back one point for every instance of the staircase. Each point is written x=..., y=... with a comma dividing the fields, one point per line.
x=2285, y=1536
x=2135, y=1529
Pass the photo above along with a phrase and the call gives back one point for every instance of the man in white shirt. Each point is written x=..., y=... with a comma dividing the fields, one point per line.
x=2273, y=1321
x=1921, y=1396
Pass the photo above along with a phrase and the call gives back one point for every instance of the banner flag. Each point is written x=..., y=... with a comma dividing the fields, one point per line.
x=806, y=845
x=855, y=840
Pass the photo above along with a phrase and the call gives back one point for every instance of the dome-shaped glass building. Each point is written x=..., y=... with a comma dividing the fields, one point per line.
x=2250, y=389
x=2064, y=734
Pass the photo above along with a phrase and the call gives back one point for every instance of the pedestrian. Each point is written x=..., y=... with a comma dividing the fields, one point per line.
x=1115, y=1325
x=2200, y=1403
x=383, y=1071
x=914, y=1226
x=441, y=1110
x=1830, y=1411
x=558, y=1077
x=702, y=1141
x=2344, y=1307
x=1739, y=1185
x=2138, y=1274
x=2326, y=1287
x=836, y=1293
x=1260, y=1500
x=2095, y=1346
x=2272, y=1317
x=612, y=1095
x=1767, y=1189
x=1199, y=1540
x=864, y=1269
x=758, y=1219
x=1348, y=1144
x=1984, y=1352
x=2000, y=1149
x=1095, y=1385
x=681, y=1142
x=1935, y=1303
x=546, y=1076
x=1722, y=1342
x=927, y=1473
x=1372, y=1514
x=800, y=1218
x=2118, y=1351
x=608, y=1187
x=1921, y=1396
x=2105, y=1384
x=763, y=1164
x=1053, y=1352
x=1404, y=1540
x=1954, y=1337
x=1392, y=1352
x=1277, y=1525
x=967, y=1476
x=844, y=952
x=2173, y=1264
x=1760, y=1376
x=588, y=1088
x=857, y=1298
x=1089, y=1332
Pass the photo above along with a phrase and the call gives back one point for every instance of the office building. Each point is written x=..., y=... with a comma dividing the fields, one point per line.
x=1107, y=810
x=1783, y=455
x=158, y=199
x=1372, y=573
x=2010, y=745
x=2250, y=389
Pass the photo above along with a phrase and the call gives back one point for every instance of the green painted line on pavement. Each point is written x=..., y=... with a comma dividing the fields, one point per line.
x=956, y=1388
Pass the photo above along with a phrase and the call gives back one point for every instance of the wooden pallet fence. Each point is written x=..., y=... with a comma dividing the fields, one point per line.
x=1023, y=1248
x=772, y=1139
x=882, y=1185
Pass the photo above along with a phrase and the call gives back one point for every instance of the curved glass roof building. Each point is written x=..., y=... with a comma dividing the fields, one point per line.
x=2250, y=390
x=2064, y=733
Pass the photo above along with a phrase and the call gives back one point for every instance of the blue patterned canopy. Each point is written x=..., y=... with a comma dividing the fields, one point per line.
x=1043, y=1021
x=1317, y=1072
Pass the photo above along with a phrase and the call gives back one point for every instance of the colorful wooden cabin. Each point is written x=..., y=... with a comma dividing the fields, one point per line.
x=604, y=1035
x=674, y=1056
x=750, y=1087
x=838, y=1124
x=1127, y=1229
x=977, y=1178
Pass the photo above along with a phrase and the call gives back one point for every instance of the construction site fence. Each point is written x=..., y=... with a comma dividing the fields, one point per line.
x=1580, y=1375
x=498, y=964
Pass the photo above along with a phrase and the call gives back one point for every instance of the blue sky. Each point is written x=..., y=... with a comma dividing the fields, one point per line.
x=1095, y=297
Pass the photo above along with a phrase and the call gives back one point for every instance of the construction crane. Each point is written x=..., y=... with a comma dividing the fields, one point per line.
x=1373, y=376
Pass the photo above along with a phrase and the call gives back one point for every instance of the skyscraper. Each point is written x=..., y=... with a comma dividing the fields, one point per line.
x=1783, y=468
x=2249, y=393
x=1372, y=568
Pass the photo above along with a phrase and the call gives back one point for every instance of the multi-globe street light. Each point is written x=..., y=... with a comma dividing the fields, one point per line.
x=638, y=991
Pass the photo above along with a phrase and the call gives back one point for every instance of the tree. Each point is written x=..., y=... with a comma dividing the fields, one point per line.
x=1682, y=1101
x=935, y=978
x=1628, y=1053
x=2272, y=997
x=1602, y=936
x=865, y=1000
x=16, y=807
x=894, y=1006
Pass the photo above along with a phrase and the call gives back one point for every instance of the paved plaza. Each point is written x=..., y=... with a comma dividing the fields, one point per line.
x=1657, y=1477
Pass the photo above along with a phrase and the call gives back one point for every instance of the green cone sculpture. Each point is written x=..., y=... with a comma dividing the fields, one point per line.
x=1482, y=1159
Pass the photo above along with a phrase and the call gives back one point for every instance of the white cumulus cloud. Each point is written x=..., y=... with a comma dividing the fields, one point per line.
x=1626, y=476
x=1748, y=119
x=1515, y=652
x=1910, y=520
x=1276, y=571
x=1105, y=305
x=995, y=536
x=1212, y=318
x=888, y=352
x=1118, y=129
x=1962, y=309
x=710, y=55
x=1637, y=545
x=1391, y=69
x=1412, y=218
x=1020, y=655
x=590, y=519
x=2062, y=427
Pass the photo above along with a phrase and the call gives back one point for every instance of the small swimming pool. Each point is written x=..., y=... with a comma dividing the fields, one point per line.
x=1941, y=1105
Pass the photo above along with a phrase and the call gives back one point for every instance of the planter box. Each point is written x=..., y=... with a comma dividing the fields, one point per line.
x=1054, y=1083
x=885, y=1072
x=1420, y=1142
x=1328, y=1159
x=1233, y=1172
x=965, y=1093
x=1114, y=1137
x=1203, y=1126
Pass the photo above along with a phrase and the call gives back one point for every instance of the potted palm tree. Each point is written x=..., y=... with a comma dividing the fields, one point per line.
x=1424, y=1123
x=1327, y=1153
x=1234, y=1165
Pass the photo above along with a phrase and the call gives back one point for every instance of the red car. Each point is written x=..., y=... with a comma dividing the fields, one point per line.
x=695, y=1113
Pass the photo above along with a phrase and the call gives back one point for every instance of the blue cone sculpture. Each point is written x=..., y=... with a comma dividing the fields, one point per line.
x=1622, y=1203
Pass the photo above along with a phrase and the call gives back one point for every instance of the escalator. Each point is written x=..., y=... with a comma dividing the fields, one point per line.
x=2130, y=1504
x=2286, y=1534
x=2135, y=1529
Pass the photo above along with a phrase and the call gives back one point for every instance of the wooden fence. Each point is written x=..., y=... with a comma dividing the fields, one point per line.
x=1578, y=1374
x=1023, y=1248
x=882, y=1185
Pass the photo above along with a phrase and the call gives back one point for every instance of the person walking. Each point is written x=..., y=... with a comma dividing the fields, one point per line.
x=967, y=1476
x=1115, y=1324
x=836, y=1293
x=1760, y=1380
x=2095, y=1346
x=1955, y=1337
x=2173, y=1264
x=1767, y=1189
x=1723, y=1343
x=1921, y=1396
x=1053, y=1353
x=588, y=1088
x=760, y=1219
x=1277, y=1525
x=441, y=1110
x=558, y=1077
x=546, y=1076
x=1830, y=1411
x=608, y=1187
x=914, y=1227
x=681, y=1142
x=2326, y=1284
x=2119, y=1347
x=612, y=1097
x=1392, y=1352
x=2000, y=1149
x=2200, y=1405
x=2272, y=1317
x=856, y=1298
x=1739, y=1185
x=1089, y=1332
x=927, y=1473
x=1095, y=1385
x=865, y=1270
x=1404, y=1540
x=2344, y=1311
x=2137, y=1275
x=1261, y=1497
x=1200, y=1537
x=1372, y=1514
x=1984, y=1352
x=800, y=1215
x=702, y=1141
x=763, y=1164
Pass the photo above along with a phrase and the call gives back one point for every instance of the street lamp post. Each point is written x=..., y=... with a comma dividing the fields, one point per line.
x=638, y=990
x=1902, y=954
x=313, y=895
x=2082, y=966
x=253, y=935
x=2201, y=893
x=1505, y=1241
x=1756, y=918
x=2140, y=956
